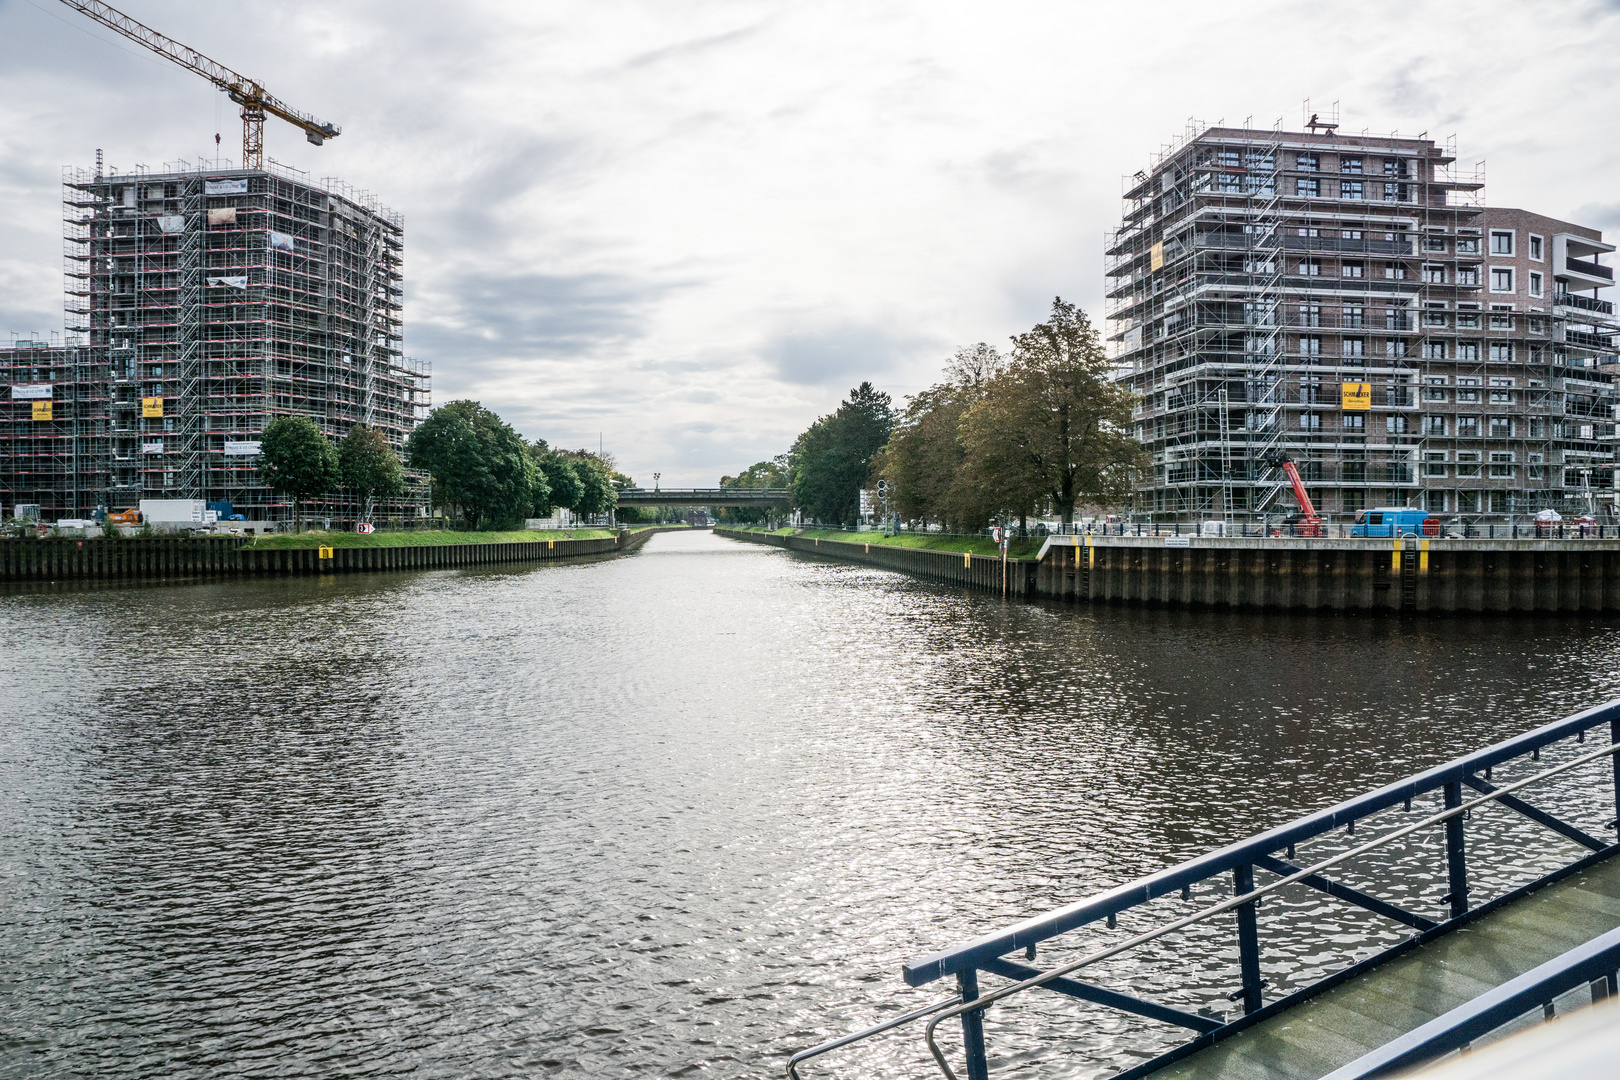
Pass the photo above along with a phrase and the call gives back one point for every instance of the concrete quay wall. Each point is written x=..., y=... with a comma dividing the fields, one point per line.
x=158, y=559
x=1276, y=574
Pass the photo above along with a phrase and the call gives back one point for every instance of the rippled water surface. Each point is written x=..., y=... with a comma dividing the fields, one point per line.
x=673, y=814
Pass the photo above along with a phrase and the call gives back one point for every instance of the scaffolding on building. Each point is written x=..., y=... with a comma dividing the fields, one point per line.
x=1239, y=346
x=216, y=299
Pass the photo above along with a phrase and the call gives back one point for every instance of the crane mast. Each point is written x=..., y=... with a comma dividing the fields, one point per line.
x=256, y=102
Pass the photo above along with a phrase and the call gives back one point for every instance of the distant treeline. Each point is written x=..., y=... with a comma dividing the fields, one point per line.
x=1042, y=429
x=480, y=470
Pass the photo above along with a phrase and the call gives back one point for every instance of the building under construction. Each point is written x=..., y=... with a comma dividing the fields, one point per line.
x=201, y=303
x=1351, y=303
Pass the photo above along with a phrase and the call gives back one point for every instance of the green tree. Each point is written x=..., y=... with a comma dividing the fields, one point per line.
x=563, y=487
x=297, y=460
x=832, y=460
x=761, y=474
x=368, y=466
x=479, y=465
x=597, y=494
x=1052, y=428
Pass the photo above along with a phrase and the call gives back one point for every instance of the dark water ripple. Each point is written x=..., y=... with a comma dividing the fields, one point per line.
x=677, y=814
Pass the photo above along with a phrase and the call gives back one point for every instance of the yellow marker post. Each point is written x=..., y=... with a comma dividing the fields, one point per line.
x=550, y=544
x=325, y=553
x=1423, y=556
x=967, y=558
x=1395, y=559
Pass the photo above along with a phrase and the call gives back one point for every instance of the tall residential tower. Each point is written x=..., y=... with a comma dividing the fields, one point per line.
x=1348, y=301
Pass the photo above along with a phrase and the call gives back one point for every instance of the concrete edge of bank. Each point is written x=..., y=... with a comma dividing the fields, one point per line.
x=158, y=559
x=1370, y=574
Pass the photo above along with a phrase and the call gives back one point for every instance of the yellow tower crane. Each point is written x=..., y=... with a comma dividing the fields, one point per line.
x=253, y=98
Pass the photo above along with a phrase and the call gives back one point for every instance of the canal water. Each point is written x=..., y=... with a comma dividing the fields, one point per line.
x=673, y=814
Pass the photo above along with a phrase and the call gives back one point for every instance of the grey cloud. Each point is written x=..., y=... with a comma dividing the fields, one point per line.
x=1605, y=216
x=505, y=314
x=836, y=353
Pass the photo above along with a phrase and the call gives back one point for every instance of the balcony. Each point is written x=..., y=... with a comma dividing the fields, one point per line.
x=1590, y=269
x=1586, y=303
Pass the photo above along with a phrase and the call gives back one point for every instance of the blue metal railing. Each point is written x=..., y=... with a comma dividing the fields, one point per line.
x=989, y=954
x=1593, y=964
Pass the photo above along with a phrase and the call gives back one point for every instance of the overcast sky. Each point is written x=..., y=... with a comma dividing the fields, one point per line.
x=694, y=226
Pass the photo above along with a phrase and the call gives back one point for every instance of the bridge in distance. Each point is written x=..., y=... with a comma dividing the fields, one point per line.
x=736, y=496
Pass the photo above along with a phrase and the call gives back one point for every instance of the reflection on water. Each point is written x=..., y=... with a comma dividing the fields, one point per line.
x=676, y=813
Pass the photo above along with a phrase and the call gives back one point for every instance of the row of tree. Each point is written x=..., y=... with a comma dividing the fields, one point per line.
x=1043, y=429
x=481, y=470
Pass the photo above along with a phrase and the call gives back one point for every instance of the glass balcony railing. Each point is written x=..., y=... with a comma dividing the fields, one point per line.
x=1590, y=269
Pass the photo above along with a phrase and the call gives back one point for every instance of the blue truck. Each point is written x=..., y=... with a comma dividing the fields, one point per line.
x=1394, y=521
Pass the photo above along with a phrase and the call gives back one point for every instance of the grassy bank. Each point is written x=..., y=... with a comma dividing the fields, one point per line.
x=978, y=545
x=424, y=538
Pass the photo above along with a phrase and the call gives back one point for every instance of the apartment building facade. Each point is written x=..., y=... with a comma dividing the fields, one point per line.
x=1350, y=303
x=201, y=303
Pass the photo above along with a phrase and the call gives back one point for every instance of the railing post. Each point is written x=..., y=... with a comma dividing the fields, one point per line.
x=1248, y=938
x=1456, y=856
x=1614, y=760
x=978, y=1066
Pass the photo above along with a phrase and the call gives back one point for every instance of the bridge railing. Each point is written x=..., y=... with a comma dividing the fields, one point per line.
x=1273, y=852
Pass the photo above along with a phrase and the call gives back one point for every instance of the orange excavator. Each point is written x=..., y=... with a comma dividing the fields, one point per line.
x=1307, y=522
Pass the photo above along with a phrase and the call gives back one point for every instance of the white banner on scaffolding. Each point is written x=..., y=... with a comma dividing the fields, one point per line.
x=39, y=391
x=281, y=240
x=222, y=215
x=172, y=223
x=242, y=449
x=228, y=282
x=152, y=447
x=225, y=187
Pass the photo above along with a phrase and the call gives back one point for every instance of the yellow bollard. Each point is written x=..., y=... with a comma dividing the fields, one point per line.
x=1423, y=556
x=967, y=558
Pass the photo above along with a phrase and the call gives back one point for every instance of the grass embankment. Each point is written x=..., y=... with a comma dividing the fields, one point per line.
x=978, y=545
x=419, y=539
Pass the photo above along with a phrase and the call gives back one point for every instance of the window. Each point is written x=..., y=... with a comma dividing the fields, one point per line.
x=1501, y=279
x=1310, y=392
x=1501, y=243
x=1395, y=348
x=1310, y=267
x=1434, y=393
x=1468, y=351
x=1468, y=245
x=1499, y=381
x=1307, y=187
x=1395, y=193
x=1467, y=427
x=1501, y=427
x=1434, y=318
x=1434, y=275
x=1310, y=314
x=1352, y=234
x=1535, y=283
x=1307, y=162
x=1349, y=164
x=1352, y=269
x=1434, y=425
x=1501, y=320
x=1230, y=159
x=1434, y=243
x=1467, y=318
x=1535, y=248
x=1350, y=189
x=1434, y=463
x=1537, y=325
x=1355, y=423
x=1434, y=350
x=1354, y=347
x=1468, y=275
x=1352, y=318
x=1310, y=421
x=1501, y=352
x=1394, y=272
x=1395, y=424
x=1501, y=397
x=1310, y=346
x=1308, y=231
x=1467, y=397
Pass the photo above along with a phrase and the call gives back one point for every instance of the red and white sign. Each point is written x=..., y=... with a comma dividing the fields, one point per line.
x=364, y=528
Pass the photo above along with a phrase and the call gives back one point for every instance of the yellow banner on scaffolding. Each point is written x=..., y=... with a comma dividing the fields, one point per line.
x=42, y=410
x=151, y=408
x=1156, y=256
x=1355, y=396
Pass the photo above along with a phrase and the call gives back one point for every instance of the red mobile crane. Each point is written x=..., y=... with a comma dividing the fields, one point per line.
x=1307, y=522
